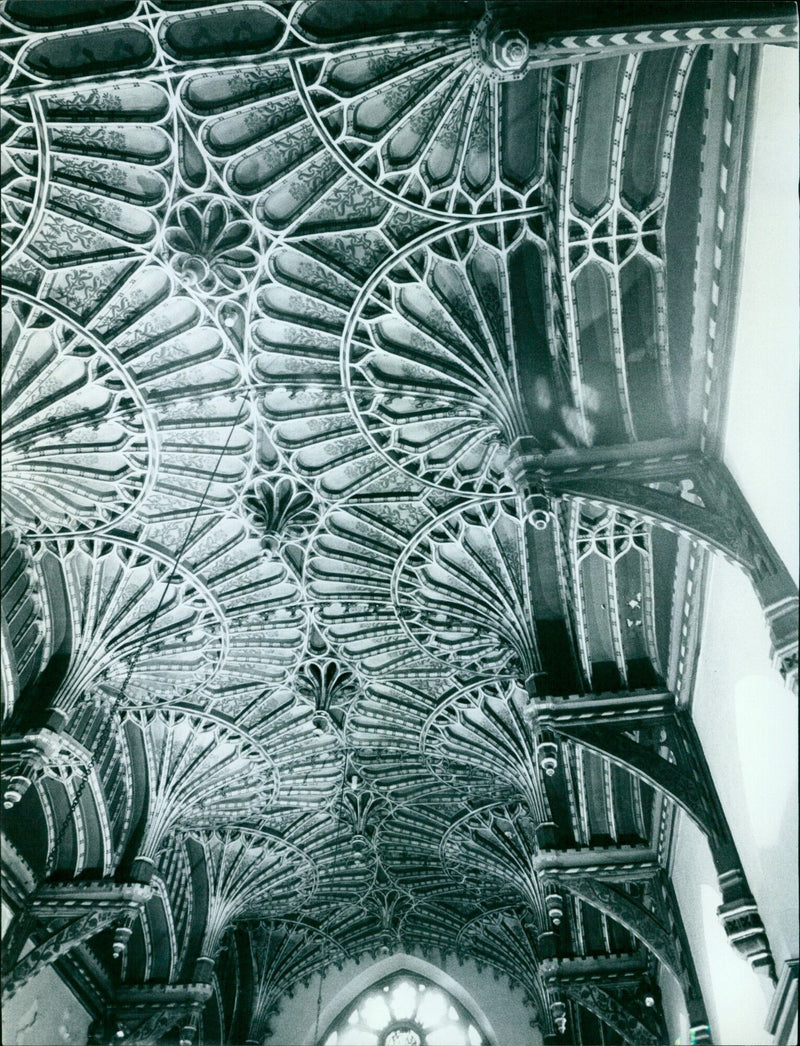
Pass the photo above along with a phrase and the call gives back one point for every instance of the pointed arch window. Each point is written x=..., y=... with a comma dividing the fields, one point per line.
x=404, y=1009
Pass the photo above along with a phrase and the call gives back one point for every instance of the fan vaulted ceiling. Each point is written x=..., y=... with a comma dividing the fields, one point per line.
x=313, y=312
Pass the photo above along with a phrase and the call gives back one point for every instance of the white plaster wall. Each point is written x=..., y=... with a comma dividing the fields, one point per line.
x=44, y=1012
x=747, y=721
x=762, y=437
x=736, y=998
x=746, y=718
x=504, y=1010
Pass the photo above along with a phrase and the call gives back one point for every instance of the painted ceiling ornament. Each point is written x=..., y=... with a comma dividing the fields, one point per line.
x=346, y=871
x=492, y=850
x=383, y=734
x=210, y=249
x=461, y=247
x=102, y=179
x=307, y=761
x=450, y=356
x=250, y=872
x=294, y=362
x=349, y=574
x=258, y=597
x=507, y=938
x=478, y=739
x=361, y=810
x=21, y=174
x=413, y=123
x=202, y=773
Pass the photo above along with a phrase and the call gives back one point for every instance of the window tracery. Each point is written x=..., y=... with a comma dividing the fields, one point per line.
x=405, y=1010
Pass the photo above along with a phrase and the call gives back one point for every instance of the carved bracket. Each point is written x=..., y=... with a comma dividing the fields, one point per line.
x=41, y=754
x=670, y=483
x=88, y=909
x=603, y=724
x=144, y=1014
x=629, y=1021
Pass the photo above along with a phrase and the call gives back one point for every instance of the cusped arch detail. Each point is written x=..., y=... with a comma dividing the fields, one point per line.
x=379, y=972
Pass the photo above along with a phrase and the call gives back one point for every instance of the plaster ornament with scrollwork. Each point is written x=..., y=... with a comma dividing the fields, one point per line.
x=77, y=452
x=473, y=738
x=349, y=577
x=428, y=357
x=480, y=740
x=383, y=736
x=412, y=124
x=100, y=182
x=258, y=597
x=306, y=760
x=461, y=589
x=300, y=241
x=345, y=872
x=492, y=850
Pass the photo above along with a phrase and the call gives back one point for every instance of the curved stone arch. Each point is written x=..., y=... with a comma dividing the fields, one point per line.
x=400, y=963
x=39, y=862
x=155, y=923
x=58, y=828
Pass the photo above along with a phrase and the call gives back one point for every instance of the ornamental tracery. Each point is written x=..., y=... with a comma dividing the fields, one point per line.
x=287, y=292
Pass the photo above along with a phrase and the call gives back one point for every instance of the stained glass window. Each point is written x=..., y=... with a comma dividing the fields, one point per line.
x=404, y=1010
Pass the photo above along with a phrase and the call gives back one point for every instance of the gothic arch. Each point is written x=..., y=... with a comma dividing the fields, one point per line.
x=398, y=964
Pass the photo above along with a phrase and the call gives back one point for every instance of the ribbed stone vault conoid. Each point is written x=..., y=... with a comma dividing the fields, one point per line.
x=362, y=425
